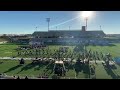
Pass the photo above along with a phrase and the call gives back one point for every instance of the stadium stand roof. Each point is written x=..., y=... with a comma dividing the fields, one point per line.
x=75, y=33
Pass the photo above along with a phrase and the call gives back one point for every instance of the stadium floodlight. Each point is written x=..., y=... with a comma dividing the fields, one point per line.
x=48, y=20
x=56, y=27
x=36, y=28
x=69, y=27
x=100, y=27
x=86, y=15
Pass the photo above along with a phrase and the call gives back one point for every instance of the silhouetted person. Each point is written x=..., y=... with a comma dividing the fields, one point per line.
x=26, y=77
x=92, y=71
x=18, y=77
x=0, y=75
x=22, y=61
x=14, y=77
x=36, y=58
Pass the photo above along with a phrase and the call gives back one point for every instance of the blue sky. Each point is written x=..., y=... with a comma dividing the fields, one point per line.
x=23, y=22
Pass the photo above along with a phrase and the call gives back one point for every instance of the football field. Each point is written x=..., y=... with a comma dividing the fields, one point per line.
x=12, y=67
x=9, y=50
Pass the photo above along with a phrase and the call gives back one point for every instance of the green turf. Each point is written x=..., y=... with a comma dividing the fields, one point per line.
x=10, y=50
x=113, y=50
x=12, y=68
x=101, y=73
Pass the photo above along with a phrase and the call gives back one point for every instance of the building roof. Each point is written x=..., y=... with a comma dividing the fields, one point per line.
x=67, y=33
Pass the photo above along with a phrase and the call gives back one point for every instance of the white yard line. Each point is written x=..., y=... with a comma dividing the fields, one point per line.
x=34, y=58
x=75, y=76
x=3, y=42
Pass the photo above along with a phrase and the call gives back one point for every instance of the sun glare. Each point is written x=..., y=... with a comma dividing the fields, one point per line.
x=86, y=14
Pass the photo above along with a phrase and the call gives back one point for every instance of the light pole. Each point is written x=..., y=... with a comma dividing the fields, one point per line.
x=36, y=28
x=100, y=27
x=69, y=27
x=48, y=20
x=56, y=28
x=86, y=15
x=86, y=19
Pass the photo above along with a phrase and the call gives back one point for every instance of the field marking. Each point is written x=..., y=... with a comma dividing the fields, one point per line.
x=8, y=52
x=3, y=42
x=75, y=76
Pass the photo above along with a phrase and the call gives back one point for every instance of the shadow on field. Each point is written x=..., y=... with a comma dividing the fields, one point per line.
x=86, y=70
x=82, y=67
x=13, y=68
x=36, y=66
x=110, y=72
x=78, y=68
x=1, y=62
x=69, y=66
x=29, y=66
x=111, y=45
x=49, y=69
x=39, y=66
